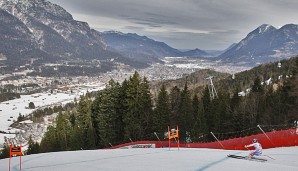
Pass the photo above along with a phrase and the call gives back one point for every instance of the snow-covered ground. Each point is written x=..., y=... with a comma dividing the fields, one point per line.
x=10, y=110
x=285, y=159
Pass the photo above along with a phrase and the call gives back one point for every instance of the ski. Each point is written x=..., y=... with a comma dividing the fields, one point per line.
x=247, y=158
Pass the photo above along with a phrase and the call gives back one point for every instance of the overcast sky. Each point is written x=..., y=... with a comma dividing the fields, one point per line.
x=184, y=24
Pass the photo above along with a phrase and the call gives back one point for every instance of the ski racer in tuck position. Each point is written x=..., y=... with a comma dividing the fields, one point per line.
x=258, y=148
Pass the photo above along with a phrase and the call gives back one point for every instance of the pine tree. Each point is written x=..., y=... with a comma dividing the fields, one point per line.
x=116, y=135
x=207, y=106
x=208, y=113
x=236, y=117
x=84, y=121
x=175, y=98
x=289, y=97
x=235, y=100
x=195, y=105
x=131, y=117
x=223, y=121
x=121, y=108
x=257, y=87
x=95, y=112
x=195, y=130
x=90, y=137
x=146, y=111
x=50, y=142
x=76, y=138
x=33, y=148
x=107, y=117
x=186, y=118
x=30, y=146
x=200, y=125
x=63, y=128
x=162, y=111
x=4, y=153
x=272, y=112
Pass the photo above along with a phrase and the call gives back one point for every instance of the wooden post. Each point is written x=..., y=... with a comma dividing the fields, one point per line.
x=20, y=162
x=21, y=154
x=9, y=164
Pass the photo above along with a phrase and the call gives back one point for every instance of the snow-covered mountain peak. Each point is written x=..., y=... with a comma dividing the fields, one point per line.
x=264, y=28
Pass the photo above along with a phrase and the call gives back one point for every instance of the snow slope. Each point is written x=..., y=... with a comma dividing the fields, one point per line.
x=189, y=159
x=10, y=110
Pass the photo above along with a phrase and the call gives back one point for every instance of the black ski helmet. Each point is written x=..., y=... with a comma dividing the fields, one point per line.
x=255, y=140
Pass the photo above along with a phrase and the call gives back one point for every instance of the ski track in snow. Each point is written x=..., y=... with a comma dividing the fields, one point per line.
x=189, y=159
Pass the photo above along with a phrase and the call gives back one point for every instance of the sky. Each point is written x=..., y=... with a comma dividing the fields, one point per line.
x=190, y=159
x=184, y=24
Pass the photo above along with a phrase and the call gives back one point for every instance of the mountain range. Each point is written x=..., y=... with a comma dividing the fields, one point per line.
x=144, y=49
x=46, y=32
x=40, y=31
x=140, y=48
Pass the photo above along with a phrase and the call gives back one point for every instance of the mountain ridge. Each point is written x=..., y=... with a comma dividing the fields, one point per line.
x=54, y=33
x=143, y=48
x=265, y=44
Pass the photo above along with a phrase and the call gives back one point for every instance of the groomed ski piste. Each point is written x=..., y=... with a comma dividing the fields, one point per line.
x=155, y=159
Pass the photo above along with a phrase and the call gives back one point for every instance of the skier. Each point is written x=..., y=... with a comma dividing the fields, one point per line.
x=258, y=148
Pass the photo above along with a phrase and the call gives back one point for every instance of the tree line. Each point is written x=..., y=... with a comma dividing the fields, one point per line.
x=126, y=111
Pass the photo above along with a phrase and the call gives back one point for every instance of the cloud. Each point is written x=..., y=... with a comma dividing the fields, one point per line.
x=211, y=24
x=185, y=40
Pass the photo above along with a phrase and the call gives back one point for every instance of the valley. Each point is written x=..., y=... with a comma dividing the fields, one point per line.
x=54, y=91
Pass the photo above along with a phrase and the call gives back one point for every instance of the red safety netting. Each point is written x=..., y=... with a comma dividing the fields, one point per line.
x=283, y=138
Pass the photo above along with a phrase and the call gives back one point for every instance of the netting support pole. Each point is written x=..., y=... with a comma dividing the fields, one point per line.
x=265, y=134
x=218, y=140
x=156, y=136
